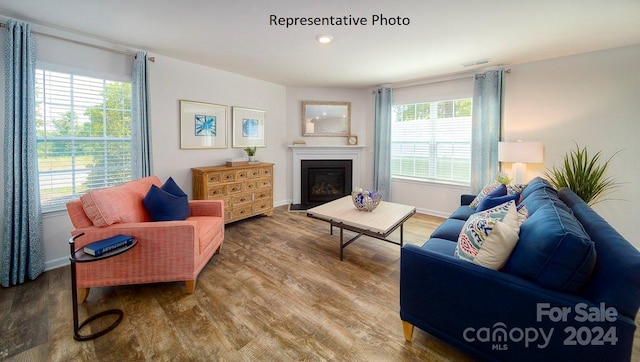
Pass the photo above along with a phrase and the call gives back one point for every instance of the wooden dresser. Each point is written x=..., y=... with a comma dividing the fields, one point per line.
x=246, y=190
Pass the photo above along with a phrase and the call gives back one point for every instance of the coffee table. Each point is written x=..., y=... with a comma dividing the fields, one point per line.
x=379, y=223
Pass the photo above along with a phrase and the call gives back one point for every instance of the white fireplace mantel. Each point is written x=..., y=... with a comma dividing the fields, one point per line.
x=300, y=153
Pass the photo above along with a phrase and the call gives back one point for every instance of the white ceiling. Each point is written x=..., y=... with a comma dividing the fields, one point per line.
x=236, y=35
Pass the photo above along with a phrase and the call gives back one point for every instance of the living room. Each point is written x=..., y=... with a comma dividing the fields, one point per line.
x=569, y=94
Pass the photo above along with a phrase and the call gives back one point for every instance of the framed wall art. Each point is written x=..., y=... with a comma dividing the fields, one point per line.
x=202, y=125
x=248, y=127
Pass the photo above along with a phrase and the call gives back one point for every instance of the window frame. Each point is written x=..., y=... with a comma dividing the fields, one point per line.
x=58, y=205
x=432, y=159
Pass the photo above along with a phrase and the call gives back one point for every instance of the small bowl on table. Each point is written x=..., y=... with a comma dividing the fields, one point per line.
x=366, y=200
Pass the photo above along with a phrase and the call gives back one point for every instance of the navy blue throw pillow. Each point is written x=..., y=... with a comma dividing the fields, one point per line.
x=492, y=201
x=166, y=203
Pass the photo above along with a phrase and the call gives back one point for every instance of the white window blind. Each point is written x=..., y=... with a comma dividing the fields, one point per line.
x=83, y=135
x=432, y=141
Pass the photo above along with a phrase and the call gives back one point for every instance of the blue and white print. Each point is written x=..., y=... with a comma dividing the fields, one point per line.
x=249, y=127
x=205, y=125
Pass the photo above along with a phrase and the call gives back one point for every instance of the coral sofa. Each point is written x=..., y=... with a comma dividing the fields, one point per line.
x=167, y=251
x=569, y=290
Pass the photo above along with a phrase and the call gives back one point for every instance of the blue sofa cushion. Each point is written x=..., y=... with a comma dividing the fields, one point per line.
x=616, y=278
x=449, y=230
x=543, y=196
x=166, y=203
x=441, y=246
x=535, y=184
x=554, y=251
x=462, y=213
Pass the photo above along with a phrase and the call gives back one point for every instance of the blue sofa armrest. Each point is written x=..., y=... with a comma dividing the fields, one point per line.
x=484, y=312
x=466, y=199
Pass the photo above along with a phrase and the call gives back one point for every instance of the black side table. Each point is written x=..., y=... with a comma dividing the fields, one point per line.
x=78, y=256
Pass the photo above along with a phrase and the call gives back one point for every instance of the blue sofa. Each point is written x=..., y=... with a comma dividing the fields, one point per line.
x=570, y=289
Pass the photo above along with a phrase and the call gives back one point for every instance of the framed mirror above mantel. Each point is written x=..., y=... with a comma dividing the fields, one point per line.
x=325, y=118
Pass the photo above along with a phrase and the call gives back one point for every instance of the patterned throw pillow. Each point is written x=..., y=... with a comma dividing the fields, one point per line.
x=484, y=192
x=488, y=238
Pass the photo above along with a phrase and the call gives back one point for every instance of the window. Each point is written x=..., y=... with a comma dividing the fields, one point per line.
x=83, y=134
x=432, y=141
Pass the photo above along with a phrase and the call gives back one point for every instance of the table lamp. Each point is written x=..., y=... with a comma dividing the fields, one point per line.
x=520, y=153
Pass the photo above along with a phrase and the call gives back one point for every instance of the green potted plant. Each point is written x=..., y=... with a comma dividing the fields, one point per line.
x=251, y=153
x=583, y=174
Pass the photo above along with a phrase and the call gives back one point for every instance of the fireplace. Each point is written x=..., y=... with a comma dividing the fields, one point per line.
x=324, y=180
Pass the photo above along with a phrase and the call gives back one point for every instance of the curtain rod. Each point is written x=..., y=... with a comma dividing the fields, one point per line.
x=427, y=82
x=3, y=25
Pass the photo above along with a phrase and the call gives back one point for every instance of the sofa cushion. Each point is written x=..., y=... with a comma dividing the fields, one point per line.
x=166, y=203
x=535, y=184
x=118, y=204
x=616, y=277
x=462, y=213
x=449, y=230
x=441, y=246
x=554, y=251
x=488, y=241
x=541, y=197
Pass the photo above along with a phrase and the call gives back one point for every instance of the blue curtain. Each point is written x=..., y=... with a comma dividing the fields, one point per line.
x=486, y=126
x=382, y=144
x=140, y=130
x=22, y=242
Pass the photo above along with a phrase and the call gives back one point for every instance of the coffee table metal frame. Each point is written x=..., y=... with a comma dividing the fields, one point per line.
x=78, y=256
x=344, y=225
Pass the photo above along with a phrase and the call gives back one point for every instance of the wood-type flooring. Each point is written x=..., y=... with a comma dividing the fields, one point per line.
x=276, y=292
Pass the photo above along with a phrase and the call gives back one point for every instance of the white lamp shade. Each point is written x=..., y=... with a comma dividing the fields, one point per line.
x=524, y=152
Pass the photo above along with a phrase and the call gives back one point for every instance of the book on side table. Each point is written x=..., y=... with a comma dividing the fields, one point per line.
x=97, y=248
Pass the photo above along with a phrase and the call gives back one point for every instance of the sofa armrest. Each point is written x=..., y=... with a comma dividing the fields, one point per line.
x=207, y=208
x=453, y=299
x=466, y=199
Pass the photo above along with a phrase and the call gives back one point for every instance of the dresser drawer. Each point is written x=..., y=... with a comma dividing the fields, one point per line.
x=261, y=206
x=242, y=199
x=241, y=175
x=262, y=194
x=254, y=173
x=266, y=171
x=264, y=183
x=228, y=176
x=240, y=212
x=234, y=188
x=213, y=177
x=249, y=185
x=216, y=192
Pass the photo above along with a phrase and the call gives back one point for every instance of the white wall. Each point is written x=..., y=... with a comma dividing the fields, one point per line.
x=171, y=80
x=359, y=124
x=592, y=99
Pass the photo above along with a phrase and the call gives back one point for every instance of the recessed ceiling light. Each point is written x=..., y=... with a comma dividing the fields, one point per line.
x=324, y=39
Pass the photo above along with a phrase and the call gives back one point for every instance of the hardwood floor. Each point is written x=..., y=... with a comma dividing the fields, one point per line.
x=277, y=291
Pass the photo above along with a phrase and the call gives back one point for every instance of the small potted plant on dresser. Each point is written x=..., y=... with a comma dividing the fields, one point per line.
x=251, y=153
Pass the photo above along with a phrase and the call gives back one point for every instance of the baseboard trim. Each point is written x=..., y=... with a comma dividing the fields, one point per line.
x=56, y=263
